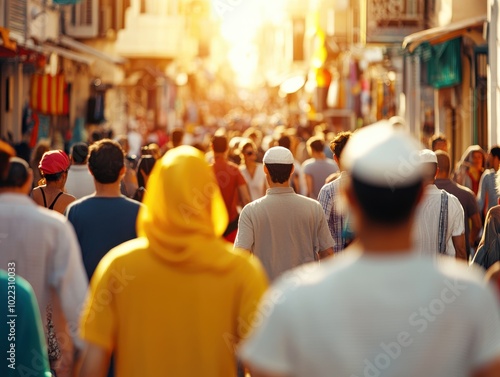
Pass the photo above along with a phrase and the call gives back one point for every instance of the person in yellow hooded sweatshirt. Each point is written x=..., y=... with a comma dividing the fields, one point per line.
x=177, y=300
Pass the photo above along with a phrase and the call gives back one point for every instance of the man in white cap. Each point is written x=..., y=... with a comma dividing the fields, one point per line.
x=380, y=308
x=283, y=229
x=439, y=223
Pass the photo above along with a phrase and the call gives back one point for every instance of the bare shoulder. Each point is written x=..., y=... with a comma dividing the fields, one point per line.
x=64, y=201
x=36, y=194
x=67, y=199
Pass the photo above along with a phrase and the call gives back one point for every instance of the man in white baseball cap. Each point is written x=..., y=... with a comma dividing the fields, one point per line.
x=283, y=229
x=379, y=308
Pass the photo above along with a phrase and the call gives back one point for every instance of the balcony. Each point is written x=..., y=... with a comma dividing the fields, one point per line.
x=154, y=36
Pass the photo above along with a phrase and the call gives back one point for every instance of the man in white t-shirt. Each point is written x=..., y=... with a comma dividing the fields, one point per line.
x=380, y=308
x=80, y=182
x=439, y=223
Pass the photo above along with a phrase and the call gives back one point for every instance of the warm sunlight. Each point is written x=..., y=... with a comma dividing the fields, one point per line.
x=240, y=23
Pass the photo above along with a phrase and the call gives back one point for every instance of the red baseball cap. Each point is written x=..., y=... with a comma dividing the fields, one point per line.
x=53, y=162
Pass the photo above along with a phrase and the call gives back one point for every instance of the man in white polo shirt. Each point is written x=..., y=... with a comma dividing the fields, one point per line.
x=283, y=229
x=380, y=308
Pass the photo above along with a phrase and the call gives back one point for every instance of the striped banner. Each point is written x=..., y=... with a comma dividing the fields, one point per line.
x=49, y=95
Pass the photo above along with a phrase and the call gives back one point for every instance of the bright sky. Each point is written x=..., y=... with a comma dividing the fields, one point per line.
x=240, y=20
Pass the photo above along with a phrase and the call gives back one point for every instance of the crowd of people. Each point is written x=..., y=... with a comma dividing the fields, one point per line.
x=360, y=254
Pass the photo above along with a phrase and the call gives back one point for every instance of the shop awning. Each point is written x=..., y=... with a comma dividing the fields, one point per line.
x=68, y=54
x=443, y=33
x=83, y=48
x=13, y=45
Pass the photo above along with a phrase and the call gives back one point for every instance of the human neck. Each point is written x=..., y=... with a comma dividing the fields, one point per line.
x=55, y=185
x=250, y=164
x=218, y=155
x=318, y=155
x=109, y=190
x=373, y=238
x=277, y=184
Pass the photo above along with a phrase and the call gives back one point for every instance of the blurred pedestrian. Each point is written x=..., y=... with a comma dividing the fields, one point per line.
x=488, y=250
x=252, y=171
x=43, y=247
x=326, y=320
x=144, y=169
x=439, y=221
x=129, y=183
x=470, y=168
x=466, y=198
x=197, y=297
x=80, y=182
x=439, y=143
x=231, y=183
x=330, y=200
x=54, y=167
x=487, y=195
x=268, y=229
x=22, y=331
x=317, y=168
x=107, y=218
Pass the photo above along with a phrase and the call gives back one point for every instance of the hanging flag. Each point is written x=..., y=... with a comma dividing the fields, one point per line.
x=49, y=95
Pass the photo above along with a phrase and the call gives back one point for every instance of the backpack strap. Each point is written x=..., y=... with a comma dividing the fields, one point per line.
x=443, y=222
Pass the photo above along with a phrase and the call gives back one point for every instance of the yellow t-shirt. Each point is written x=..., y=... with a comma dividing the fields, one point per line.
x=160, y=320
x=176, y=300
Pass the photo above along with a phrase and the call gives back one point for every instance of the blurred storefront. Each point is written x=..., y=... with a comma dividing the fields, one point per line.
x=446, y=83
x=49, y=77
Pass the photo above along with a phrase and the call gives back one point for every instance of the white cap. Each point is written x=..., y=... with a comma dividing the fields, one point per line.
x=278, y=155
x=426, y=155
x=383, y=155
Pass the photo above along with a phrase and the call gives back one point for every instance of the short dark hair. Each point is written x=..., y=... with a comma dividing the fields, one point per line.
x=444, y=163
x=436, y=139
x=146, y=164
x=285, y=141
x=280, y=173
x=17, y=174
x=79, y=153
x=316, y=144
x=177, y=136
x=392, y=205
x=219, y=143
x=338, y=143
x=106, y=160
x=495, y=151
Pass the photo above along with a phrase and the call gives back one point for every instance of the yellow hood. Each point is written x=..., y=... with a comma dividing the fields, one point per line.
x=184, y=215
